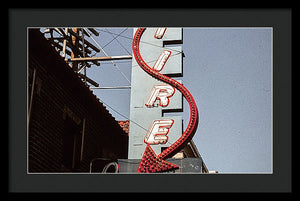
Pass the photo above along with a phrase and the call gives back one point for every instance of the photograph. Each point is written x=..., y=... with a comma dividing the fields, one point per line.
x=149, y=100
x=145, y=100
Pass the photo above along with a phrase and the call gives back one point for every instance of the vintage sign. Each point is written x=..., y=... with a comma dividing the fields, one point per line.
x=153, y=90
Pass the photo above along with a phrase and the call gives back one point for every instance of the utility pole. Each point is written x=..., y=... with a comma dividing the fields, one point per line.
x=74, y=53
x=75, y=49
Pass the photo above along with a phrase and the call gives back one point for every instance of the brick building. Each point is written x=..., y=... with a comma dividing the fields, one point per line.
x=68, y=127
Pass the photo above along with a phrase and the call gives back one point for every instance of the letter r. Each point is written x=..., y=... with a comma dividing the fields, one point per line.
x=162, y=93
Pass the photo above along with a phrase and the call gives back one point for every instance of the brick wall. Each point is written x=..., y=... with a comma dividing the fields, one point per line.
x=64, y=112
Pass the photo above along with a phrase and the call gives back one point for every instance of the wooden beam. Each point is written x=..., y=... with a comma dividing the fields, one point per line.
x=60, y=39
x=86, y=42
x=119, y=87
x=88, y=80
x=75, y=52
x=74, y=42
x=100, y=58
x=94, y=31
x=59, y=47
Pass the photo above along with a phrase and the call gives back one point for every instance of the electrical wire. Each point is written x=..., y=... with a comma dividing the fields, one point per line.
x=125, y=117
x=122, y=115
x=148, y=62
x=155, y=45
x=116, y=38
x=114, y=64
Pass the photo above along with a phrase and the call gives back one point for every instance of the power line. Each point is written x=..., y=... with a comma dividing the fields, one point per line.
x=148, y=62
x=123, y=115
x=126, y=117
x=115, y=38
x=120, y=35
x=114, y=64
x=167, y=48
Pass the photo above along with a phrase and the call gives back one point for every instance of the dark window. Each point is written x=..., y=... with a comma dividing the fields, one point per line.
x=71, y=144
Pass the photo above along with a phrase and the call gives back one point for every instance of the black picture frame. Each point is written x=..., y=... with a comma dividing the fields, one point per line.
x=279, y=181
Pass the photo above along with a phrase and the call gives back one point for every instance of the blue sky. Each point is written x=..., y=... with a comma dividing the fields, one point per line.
x=229, y=73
